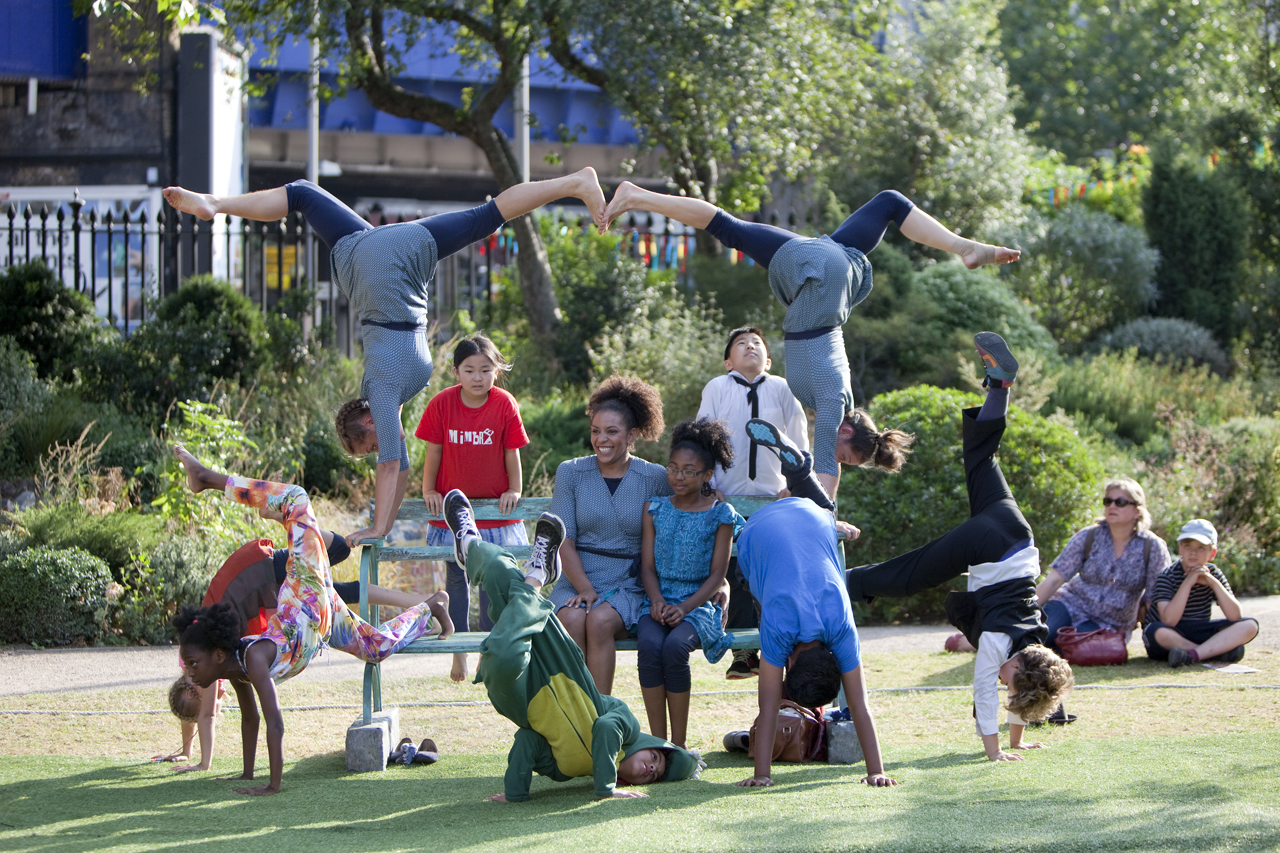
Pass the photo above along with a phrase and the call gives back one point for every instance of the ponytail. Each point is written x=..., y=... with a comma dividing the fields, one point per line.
x=350, y=424
x=887, y=450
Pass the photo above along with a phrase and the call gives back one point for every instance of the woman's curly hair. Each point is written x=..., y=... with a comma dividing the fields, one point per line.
x=637, y=401
x=706, y=437
x=885, y=450
x=350, y=424
x=1040, y=685
x=208, y=628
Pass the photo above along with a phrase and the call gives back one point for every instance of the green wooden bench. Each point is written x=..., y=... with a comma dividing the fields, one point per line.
x=376, y=551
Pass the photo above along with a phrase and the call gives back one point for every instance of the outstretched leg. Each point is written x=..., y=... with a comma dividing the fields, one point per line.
x=796, y=464
x=526, y=198
x=328, y=217
x=756, y=240
x=922, y=228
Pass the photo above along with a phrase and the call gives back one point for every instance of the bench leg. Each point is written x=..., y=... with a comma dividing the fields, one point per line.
x=370, y=671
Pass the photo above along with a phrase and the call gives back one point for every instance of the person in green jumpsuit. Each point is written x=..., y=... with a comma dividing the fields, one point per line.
x=537, y=678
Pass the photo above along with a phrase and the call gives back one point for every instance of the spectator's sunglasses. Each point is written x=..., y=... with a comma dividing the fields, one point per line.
x=1120, y=502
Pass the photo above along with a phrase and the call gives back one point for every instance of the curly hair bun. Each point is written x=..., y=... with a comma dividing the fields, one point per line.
x=637, y=401
x=707, y=437
x=208, y=628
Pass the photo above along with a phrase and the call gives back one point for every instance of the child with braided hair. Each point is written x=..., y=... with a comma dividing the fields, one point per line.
x=309, y=615
x=684, y=555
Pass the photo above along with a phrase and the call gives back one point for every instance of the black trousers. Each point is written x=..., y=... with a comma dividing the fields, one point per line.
x=994, y=529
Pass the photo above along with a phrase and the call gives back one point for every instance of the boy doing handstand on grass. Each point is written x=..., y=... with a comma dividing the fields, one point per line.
x=537, y=677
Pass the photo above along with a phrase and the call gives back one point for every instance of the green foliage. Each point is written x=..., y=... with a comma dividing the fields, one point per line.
x=598, y=286
x=174, y=574
x=1053, y=475
x=325, y=464
x=1096, y=73
x=1198, y=222
x=919, y=326
x=52, y=596
x=21, y=392
x=938, y=126
x=52, y=322
x=675, y=346
x=1081, y=271
x=558, y=430
x=740, y=291
x=116, y=538
x=1169, y=340
x=1129, y=398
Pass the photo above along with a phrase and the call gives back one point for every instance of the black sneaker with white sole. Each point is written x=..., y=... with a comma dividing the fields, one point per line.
x=457, y=514
x=548, y=533
x=767, y=435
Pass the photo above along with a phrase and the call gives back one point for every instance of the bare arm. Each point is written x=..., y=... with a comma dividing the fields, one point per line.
x=205, y=724
x=248, y=726
x=648, y=568
x=258, y=664
x=855, y=691
x=430, y=472
x=1052, y=583
x=1171, y=611
x=1230, y=606
x=770, y=696
x=515, y=481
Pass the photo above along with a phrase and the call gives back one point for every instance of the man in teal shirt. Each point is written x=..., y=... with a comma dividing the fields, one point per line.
x=537, y=678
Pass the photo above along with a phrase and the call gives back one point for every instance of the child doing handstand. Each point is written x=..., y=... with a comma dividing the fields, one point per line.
x=820, y=281
x=998, y=614
x=250, y=581
x=684, y=554
x=537, y=678
x=309, y=615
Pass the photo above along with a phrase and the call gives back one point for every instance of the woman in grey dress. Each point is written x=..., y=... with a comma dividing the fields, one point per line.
x=601, y=499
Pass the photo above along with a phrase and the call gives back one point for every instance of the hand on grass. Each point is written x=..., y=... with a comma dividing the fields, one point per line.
x=260, y=791
x=878, y=780
x=624, y=794
x=756, y=782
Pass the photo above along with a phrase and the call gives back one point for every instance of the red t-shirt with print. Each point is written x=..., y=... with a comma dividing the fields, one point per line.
x=474, y=443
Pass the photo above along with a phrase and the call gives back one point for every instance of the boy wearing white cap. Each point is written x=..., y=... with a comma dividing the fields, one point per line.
x=1179, y=628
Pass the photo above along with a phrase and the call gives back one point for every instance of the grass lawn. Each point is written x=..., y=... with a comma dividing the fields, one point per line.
x=1157, y=768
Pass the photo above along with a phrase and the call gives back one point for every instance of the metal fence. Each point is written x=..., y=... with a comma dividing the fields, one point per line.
x=126, y=253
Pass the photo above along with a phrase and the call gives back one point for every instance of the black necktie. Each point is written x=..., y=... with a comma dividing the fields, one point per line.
x=753, y=397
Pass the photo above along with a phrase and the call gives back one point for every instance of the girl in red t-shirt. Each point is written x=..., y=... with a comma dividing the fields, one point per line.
x=474, y=435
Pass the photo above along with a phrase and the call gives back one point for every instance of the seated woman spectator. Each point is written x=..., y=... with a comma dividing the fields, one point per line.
x=602, y=500
x=1107, y=572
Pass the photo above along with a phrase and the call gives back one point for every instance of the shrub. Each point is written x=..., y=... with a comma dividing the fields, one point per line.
x=53, y=597
x=52, y=322
x=1125, y=396
x=174, y=574
x=739, y=290
x=1169, y=340
x=11, y=542
x=1081, y=271
x=116, y=538
x=558, y=430
x=325, y=464
x=1054, y=478
x=20, y=391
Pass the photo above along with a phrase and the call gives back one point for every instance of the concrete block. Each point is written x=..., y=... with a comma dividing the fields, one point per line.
x=842, y=744
x=369, y=745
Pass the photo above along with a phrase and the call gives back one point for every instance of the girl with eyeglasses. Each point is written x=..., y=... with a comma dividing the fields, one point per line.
x=1105, y=575
x=684, y=556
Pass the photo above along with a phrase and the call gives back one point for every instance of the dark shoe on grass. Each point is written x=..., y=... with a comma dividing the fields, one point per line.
x=403, y=753
x=547, y=536
x=1179, y=658
x=1234, y=656
x=428, y=752
x=737, y=741
x=1001, y=366
x=741, y=666
x=457, y=514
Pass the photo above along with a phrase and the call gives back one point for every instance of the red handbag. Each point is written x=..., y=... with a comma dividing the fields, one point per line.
x=1092, y=648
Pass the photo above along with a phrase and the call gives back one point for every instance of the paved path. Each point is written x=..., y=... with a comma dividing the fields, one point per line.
x=59, y=670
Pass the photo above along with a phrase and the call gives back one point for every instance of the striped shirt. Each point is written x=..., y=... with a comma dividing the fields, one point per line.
x=1199, y=601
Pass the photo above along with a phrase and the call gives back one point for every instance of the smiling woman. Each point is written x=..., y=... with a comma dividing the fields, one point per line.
x=602, y=500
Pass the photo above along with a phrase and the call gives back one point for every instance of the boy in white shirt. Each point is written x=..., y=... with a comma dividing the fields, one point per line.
x=746, y=391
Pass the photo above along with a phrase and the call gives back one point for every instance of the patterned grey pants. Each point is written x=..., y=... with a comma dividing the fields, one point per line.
x=818, y=374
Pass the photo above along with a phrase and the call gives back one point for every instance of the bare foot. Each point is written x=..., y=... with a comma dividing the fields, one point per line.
x=980, y=254
x=199, y=477
x=439, y=604
x=589, y=191
x=199, y=205
x=459, y=671
x=624, y=199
